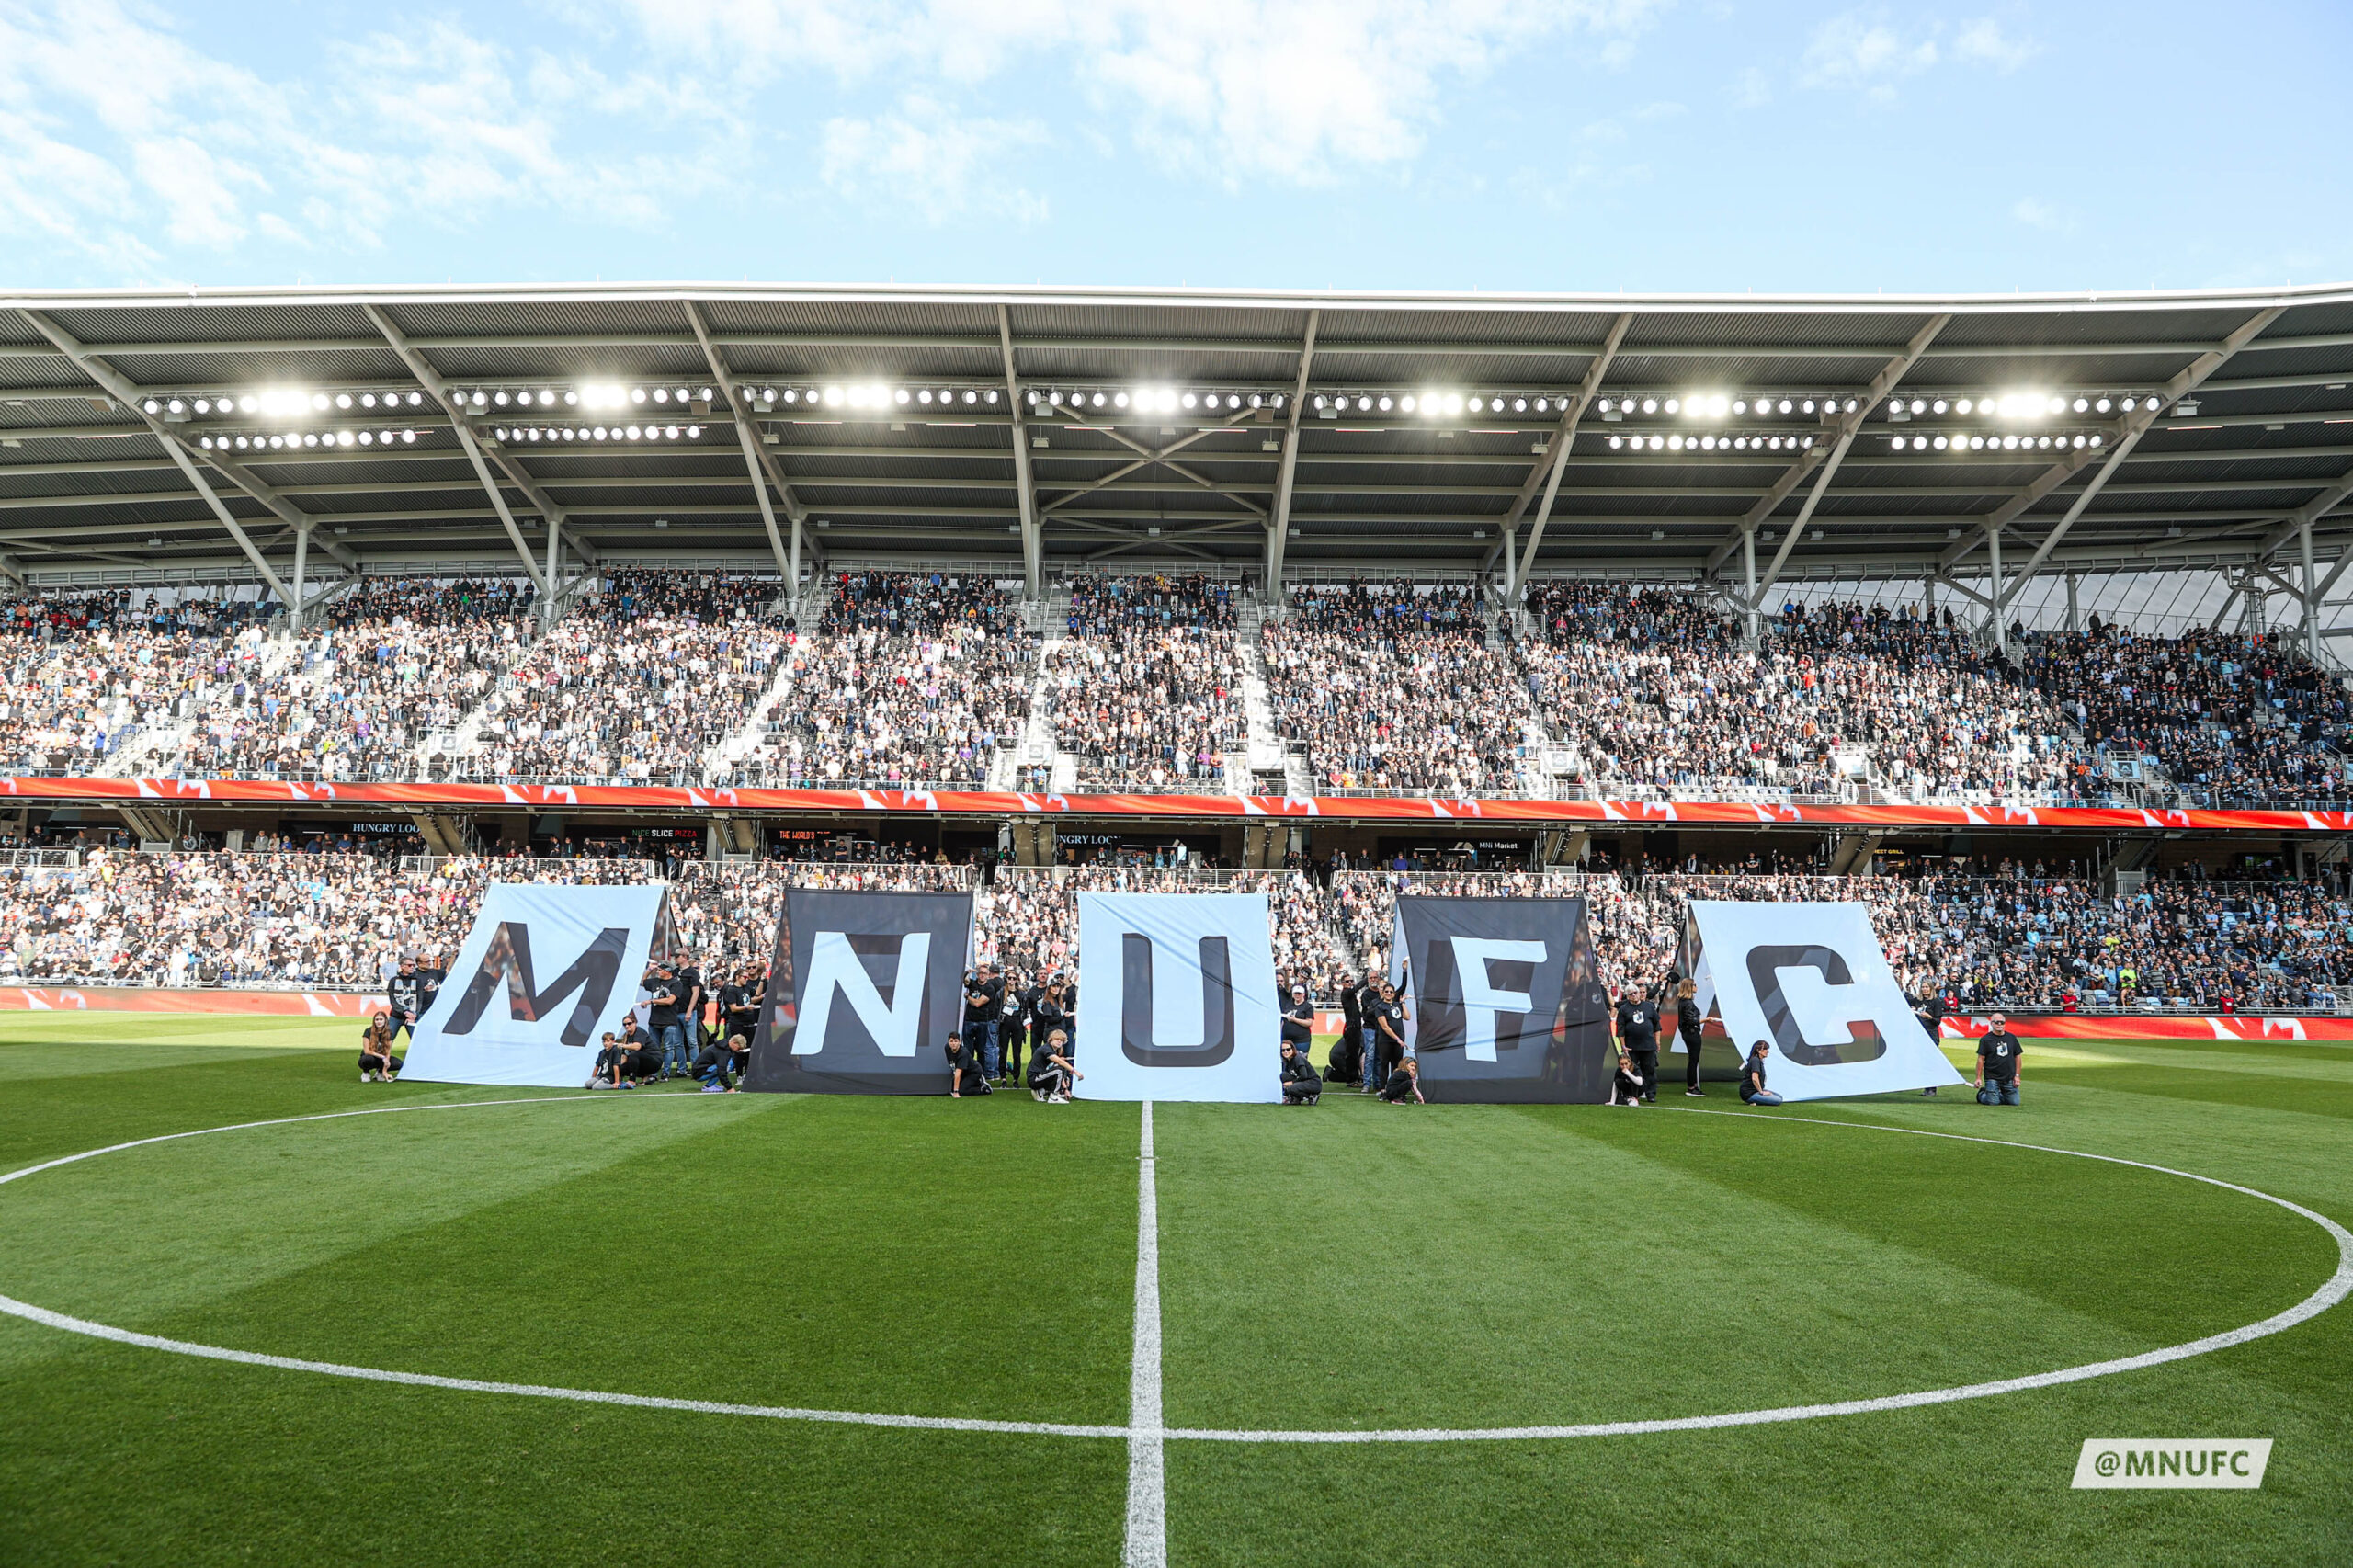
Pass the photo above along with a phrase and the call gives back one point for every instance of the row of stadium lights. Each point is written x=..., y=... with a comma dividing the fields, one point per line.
x=273, y=403
x=318, y=438
x=600, y=433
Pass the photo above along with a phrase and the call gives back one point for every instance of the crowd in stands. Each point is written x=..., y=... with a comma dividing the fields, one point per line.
x=1146, y=691
x=2237, y=718
x=915, y=681
x=636, y=684
x=922, y=678
x=389, y=661
x=2018, y=937
x=83, y=673
x=1389, y=686
x=1657, y=689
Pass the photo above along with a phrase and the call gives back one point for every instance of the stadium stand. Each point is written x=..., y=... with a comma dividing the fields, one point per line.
x=2011, y=940
x=1146, y=690
x=1391, y=687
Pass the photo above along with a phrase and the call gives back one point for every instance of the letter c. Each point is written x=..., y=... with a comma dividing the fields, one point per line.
x=2236, y=1468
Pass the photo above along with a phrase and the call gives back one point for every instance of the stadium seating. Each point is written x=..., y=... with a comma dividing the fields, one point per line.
x=2012, y=939
x=1144, y=683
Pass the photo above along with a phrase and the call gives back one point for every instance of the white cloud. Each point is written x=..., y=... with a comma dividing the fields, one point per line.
x=926, y=157
x=1864, y=55
x=1984, y=42
x=1863, y=50
x=2039, y=214
x=1289, y=89
x=119, y=133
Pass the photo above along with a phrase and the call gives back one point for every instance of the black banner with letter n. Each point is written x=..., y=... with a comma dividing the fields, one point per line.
x=1507, y=1002
x=862, y=992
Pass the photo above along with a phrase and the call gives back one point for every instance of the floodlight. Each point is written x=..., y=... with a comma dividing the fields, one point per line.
x=1454, y=402
x=1276, y=401
x=1741, y=406
x=153, y=406
x=408, y=437
x=1650, y=405
x=1962, y=406
x=1674, y=443
x=1364, y=405
x=670, y=432
x=1519, y=406
x=1940, y=443
x=1706, y=443
x=1616, y=442
x=343, y=438
x=1674, y=405
x=633, y=432
x=1541, y=403
x=898, y=394
x=2096, y=440
x=1938, y=406
x=694, y=432
x=1809, y=405
x=246, y=403
x=366, y=440
x=1099, y=400
x=1476, y=404
x=832, y=397
x=1717, y=404
x=2103, y=406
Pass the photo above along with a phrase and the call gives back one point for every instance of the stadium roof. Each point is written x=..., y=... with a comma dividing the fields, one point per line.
x=2127, y=432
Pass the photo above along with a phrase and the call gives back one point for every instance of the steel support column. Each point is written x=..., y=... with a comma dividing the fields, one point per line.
x=1564, y=436
x=1994, y=592
x=1278, y=518
x=1033, y=539
x=2310, y=595
x=757, y=464
x=123, y=393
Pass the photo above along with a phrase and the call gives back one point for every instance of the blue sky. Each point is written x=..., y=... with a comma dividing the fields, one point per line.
x=1494, y=144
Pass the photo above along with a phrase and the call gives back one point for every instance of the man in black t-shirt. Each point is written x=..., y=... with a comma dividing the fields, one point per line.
x=691, y=996
x=1637, y=1028
x=1997, y=1064
x=963, y=1067
x=984, y=995
x=430, y=974
x=665, y=1018
x=407, y=994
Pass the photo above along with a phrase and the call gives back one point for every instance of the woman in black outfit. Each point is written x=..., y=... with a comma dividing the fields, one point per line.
x=1688, y=1025
x=376, y=1062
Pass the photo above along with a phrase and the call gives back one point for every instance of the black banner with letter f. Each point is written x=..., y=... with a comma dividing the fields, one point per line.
x=1508, y=1003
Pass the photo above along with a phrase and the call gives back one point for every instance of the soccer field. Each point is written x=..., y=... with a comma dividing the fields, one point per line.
x=1322, y=1273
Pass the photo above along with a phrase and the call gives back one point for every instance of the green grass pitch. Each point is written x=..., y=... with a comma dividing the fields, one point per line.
x=1352, y=1266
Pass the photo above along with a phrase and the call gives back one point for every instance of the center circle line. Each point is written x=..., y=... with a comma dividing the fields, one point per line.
x=2332, y=1291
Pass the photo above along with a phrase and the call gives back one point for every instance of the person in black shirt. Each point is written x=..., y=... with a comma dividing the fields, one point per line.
x=1368, y=1009
x=983, y=998
x=1690, y=1027
x=405, y=992
x=1637, y=1027
x=963, y=1066
x=430, y=974
x=668, y=1003
x=1050, y=1071
x=376, y=1063
x=1299, y=1020
x=642, y=1055
x=1752, y=1077
x=739, y=1004
x=1404, y=1085
x=1933, y=1024
x=716, y=1060
x=1301, y=1084
x=1998, y=1056
x=691, y=996
x=1053, y=1013
x=1351, y=1021
x=1013, y=1026
x=1388, y=1015
x=612, y=1061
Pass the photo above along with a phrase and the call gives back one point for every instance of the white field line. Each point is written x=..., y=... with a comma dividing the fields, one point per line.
x=1145, y=1435
x=1147, y=1544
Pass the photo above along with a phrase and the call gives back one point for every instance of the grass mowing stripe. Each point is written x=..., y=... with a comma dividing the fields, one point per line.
x=1147, y=1544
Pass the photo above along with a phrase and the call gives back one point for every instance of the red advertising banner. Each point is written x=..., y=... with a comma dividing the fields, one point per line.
x=2128, y=1026
x=156, y=999
x=1004, y=803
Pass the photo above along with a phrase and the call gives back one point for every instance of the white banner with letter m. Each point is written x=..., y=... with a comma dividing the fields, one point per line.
x=545, y=971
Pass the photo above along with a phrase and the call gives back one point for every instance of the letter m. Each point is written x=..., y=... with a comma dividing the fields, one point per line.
x=2139, y=1464
x=508, y=960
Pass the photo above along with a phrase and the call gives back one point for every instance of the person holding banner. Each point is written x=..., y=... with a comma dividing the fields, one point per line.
x=1637, y=1028
x=1051, y=1072
x=1388, y=1048
x=1688, y=1027
x=1301, y=1084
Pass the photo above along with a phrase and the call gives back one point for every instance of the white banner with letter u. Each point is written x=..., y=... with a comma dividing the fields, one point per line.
x=545, y=971
x=1177, y=998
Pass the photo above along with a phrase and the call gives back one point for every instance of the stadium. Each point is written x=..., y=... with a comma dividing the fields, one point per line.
x=1988, y=648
